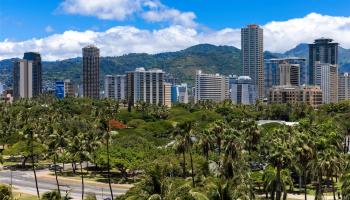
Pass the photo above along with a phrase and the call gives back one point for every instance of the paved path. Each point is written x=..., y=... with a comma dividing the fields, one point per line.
x=23, y=181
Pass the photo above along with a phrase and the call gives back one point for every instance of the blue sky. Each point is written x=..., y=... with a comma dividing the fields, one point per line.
x=24, y=21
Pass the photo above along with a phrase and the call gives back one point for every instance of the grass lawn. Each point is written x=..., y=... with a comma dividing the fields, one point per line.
x=21, y=196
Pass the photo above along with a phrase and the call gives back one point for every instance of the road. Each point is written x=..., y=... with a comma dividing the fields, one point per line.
x=23, y=181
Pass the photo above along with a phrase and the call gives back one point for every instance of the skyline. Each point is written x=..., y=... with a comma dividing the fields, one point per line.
x=119, y=27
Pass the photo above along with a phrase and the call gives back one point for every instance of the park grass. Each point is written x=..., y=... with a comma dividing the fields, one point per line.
x=21, y=196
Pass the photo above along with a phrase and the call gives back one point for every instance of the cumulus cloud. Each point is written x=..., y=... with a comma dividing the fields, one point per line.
x=119, y=40
x=114, y=41
x=150, y=10
x=283, y=35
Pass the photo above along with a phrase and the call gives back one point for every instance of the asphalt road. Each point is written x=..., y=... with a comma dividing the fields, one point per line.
x=23, y=181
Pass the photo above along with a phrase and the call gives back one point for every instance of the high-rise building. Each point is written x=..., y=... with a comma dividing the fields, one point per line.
x=27, y=76
x=23, y=79
x=323, y=50
x=167, y=94
x=146, y=86
x=289, y=74
x=182, y=93
x=344, y=87
x=311, y=95
x=252, y=46
x=115, y=87
x=91, y=72
x=243, y=91
x=272, y=72
x=211, y=87
x=326, y=76
x=36, y=71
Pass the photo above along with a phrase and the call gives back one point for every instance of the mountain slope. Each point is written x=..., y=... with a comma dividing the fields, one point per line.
x=182, y=64
x=210, y=58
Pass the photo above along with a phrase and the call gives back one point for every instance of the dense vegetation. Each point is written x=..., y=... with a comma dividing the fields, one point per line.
x=194, y=151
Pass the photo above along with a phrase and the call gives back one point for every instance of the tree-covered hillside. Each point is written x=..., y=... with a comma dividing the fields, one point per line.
x=209, y=58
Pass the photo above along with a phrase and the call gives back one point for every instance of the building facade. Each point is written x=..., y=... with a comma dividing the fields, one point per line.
x=27, y=76
x=59, y=89
x=146, y=86
x=115, y=87
x=69, y=89
x=182, y=93
x=64, y=89
x=252, y=46
x=35, y=58
x=91, y=72
x=243, y=91
x=326, y=76
x=167, y=94
x=289, y=74
x=344, y=87
x=272, y=71
x=174, y=94
x=211, y=87
x=23, y=79
x=311, y=95
x=323, y=50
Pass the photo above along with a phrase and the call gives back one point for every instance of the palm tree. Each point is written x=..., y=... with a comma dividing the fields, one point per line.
x=218, y=129
x=279, y=155
x=271, y=179
x=105, y=111
x=345, y=186
x=204, y=143
x=31, y=116
x=185, y=133
x=304, y=152
x=180, y=148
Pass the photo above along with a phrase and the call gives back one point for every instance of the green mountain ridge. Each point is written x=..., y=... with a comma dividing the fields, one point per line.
x=182, y=64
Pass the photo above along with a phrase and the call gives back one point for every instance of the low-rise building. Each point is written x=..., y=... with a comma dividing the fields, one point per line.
x=311, y=95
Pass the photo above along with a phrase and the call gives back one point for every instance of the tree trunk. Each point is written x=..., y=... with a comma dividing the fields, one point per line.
x=305, y=184
x=192, y=173
x=184, y=164
x=278, y=184
x=58, y=185
x=108, y=168
x=73, y=167
x=318, y=195
x=333, y=189
x=24, y=161
x=300, y=182
x=285, y=195
x=36, y=180
x=273, y=194
x=82, y=181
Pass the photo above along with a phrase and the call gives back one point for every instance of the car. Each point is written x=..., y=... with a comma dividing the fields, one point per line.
x=55, y=167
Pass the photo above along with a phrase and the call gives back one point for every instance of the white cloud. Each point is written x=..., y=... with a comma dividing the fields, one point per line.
x=279, y=36
x=103, y=9
x=49, y=29
x=284, y=35
x=150, y=10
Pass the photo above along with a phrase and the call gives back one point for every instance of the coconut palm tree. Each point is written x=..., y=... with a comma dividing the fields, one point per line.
x=185, y=133
x=105, y=111
x=304, y=152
